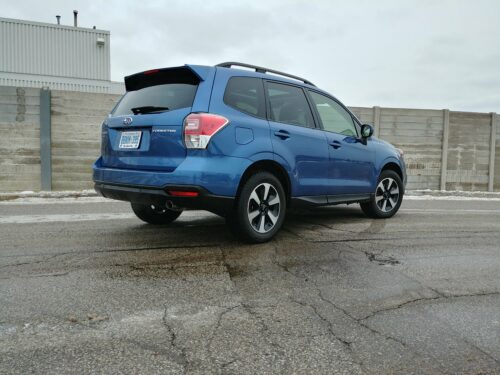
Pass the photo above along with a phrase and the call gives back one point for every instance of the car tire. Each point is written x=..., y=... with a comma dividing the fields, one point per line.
x=260, y=209
x=155, y=215
x=387, y=198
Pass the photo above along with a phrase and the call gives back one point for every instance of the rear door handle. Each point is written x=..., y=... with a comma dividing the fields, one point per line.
x=283, y=134
x=335, y=144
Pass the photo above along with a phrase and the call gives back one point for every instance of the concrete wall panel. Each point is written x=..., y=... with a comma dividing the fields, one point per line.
x=496, y=184
x=468, y=151
x=19, y=140
x=76, y=126
x=419, y=133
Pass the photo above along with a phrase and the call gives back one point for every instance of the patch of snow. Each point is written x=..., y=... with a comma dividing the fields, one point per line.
x=32, y=219
x=65, y=200
x=448, y=198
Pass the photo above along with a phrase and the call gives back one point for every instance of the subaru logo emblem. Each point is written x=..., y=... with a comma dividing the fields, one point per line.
x=127, y=121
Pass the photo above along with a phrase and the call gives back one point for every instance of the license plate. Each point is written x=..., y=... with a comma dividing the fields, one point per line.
x=130, y=140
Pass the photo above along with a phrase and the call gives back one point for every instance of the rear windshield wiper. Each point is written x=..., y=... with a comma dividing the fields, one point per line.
x=148, y=109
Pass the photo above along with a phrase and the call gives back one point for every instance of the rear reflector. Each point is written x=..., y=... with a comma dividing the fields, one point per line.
x=176, y=193
x=199, y=128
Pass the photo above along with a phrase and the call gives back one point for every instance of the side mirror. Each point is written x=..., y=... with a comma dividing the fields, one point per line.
x=366, y=131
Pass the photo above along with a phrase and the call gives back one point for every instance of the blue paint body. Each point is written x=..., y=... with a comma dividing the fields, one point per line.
x=313, y=166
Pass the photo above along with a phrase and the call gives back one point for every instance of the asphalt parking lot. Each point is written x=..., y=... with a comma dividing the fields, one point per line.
x=87, y=288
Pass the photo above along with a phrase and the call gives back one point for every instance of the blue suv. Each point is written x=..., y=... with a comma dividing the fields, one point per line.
x=246, y=144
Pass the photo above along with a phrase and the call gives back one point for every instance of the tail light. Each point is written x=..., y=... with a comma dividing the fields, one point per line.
x=199, y=128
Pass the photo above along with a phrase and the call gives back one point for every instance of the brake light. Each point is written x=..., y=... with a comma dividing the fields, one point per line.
x=199, y=128
x=152, y=71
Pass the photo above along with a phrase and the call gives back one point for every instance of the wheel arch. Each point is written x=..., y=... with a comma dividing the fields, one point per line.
x=392, y=166
x=272, y=167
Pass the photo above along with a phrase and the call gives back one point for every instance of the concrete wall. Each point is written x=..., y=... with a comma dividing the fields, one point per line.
x=19, y=139
x=468, y=151
x=496, y=156
x=443, y=149
x=76, y=136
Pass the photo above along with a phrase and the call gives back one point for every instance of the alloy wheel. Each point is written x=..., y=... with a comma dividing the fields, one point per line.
x=263, y=207
x=387, y=194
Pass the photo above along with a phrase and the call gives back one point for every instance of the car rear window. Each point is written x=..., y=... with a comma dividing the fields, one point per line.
x=171, y=96
x=246, y=94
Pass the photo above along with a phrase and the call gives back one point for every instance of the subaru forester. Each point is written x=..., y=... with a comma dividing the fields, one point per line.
x=244, y=142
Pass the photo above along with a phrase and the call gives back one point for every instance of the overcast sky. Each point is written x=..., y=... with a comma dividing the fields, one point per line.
x=392, y=53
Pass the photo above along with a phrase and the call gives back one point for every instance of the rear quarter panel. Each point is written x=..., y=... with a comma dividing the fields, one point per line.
x=245, y=136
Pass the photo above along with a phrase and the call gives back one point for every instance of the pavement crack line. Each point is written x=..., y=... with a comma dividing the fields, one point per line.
x=360, y=321
x=264, y=328
x=383, y=239
x=378, y=258
x=330, y=227
x=182, y=358
x=217, y=326
x=52, y=256
x=347, y=344
x=275, y=260
x=54, y=274
x=416, y=300
x=153, y=349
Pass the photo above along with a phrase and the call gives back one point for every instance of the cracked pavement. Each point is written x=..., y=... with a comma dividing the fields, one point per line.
x=334, y=293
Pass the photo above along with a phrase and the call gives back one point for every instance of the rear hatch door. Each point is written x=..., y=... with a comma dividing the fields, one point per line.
x=144, y=130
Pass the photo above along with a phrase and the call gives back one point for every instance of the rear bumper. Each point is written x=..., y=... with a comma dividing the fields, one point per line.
x=220, y=205
x=215, y=179
x=218, y=175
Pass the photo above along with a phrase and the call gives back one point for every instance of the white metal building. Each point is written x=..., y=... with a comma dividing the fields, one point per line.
x=35, y=54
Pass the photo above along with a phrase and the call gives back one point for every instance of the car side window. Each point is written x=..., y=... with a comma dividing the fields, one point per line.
x=333, y=116
x=246, y=94
x=288, y=104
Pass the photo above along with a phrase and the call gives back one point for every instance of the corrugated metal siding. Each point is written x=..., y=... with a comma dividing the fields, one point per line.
x=53, y=50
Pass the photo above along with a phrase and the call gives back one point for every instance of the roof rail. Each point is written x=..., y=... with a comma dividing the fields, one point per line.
x=260, y=69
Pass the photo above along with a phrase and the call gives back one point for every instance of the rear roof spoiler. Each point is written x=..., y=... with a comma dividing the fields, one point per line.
x=188, y=74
